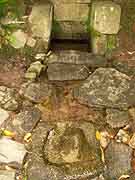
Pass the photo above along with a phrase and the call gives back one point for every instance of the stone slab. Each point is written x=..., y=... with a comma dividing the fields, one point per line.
x=7, y=175
x=36, y=92
x=106, y=87
x=40, y=21
x=66, y=72
x=11, y=151
x=78, y=58
x=105, y=17
x=40, y=169
x=118, y=158
x=116, y=118
x=71, y=12
x=4, y=115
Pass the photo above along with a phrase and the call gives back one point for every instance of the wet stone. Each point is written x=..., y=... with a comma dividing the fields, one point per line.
x=36, y=92
x=78, y=58
x=64, y=150
x=7, y=175
x=106, y=87
x=116, y=118
x=11, y=151
x=8, y=99
x=64, y=72
x=118, y=159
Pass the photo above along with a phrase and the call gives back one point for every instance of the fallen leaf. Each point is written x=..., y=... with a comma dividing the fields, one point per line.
x=98, y=135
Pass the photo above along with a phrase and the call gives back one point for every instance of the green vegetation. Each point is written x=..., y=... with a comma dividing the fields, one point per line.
x=56, y=27
x=111, y=42
x=10, y=10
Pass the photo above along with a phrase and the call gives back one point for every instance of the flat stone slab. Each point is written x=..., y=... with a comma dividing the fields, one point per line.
x=7, y=175
x=105, y=17
x=106, y=87
x=78, y=58
x=116, y=118
x=11, y=151
x=67, y=72
x=8, y=98
x=118, y=158
x=71, y=147
x=36, y=92
x=40, y=21
x=4, y=115
x=26, y=120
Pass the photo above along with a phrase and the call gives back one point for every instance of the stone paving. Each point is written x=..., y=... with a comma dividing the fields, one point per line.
x=71, y=116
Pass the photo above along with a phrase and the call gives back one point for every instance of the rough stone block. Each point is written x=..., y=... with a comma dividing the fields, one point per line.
x=71, y=12
x=40, y=21
x=70, y=30
x=105, y=17
x=63, y=72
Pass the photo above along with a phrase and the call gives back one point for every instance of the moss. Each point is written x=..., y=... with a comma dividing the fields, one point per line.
x=88, y=25
x=111, y=42
x=56, y=27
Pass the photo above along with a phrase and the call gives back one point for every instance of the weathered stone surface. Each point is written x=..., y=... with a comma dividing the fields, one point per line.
x=64, y=72
x=11, y=151
x=71, y=12
x=70, y=20
x=68, y=168
x=106, y=87
x=105, y=17
x=26, y=120
x=34, y=70
x=36, y=92
x=70, y=30
x=40, y=21
x=8, y=99
x=124, y=62
x=70, y=1
x=116, y=118
x=118, y=159
x=99, y=44
x=78, y=58
x=4, y=115
x=66, y=144
x=7, y=175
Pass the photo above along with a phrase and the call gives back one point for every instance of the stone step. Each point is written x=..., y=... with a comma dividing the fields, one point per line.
x=78, y=58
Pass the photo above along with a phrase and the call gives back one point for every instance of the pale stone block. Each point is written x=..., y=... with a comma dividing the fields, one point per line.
x=105, y=17
x=40, y=21
x=70, y=1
